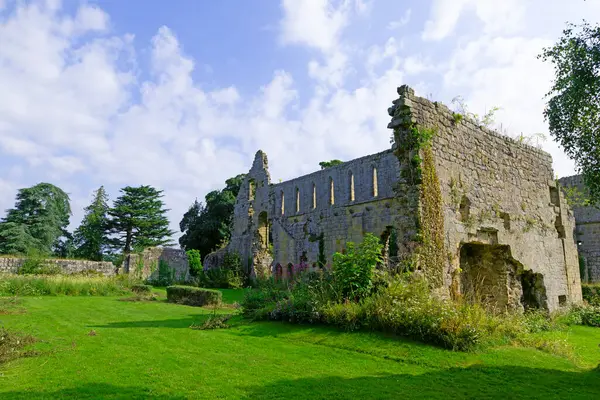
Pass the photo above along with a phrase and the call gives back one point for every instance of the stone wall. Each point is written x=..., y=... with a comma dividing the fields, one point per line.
x=587, y=231
x=146, y=264
x=497, y=191
x=496, y=195
x=12, y=265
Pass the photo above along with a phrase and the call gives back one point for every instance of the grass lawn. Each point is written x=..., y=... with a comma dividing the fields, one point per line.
x=147, y=351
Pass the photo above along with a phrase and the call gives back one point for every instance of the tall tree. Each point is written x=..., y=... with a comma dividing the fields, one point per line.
x=573, y=110
x=90, y=238
x=206, y=227
x=38, y=222
x=138, y=219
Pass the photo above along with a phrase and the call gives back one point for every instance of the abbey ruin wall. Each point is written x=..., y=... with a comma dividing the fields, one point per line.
x=499, y=192
x=475, y=209
x=587, y=231
x=11, y=265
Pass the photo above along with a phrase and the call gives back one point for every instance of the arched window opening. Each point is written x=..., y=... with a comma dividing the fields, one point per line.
x=282, y=203
x=251, y=189
x=351, y=184
x=331, y=192
x=375, y=191
x=314, y=196
x=297, y=200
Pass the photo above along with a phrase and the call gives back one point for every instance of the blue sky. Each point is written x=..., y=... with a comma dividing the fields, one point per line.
x=181, y=94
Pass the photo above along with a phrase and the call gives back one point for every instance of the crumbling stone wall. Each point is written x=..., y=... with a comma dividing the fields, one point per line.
x=587, y=231
x=146, y=264
x=12, y=264
x=465, y=185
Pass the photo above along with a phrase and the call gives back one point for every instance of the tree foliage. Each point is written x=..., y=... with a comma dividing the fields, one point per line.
x=573, y=109
x=90, y=238
x=138, y=219
x=38, y=221
x=207, y=226
x=331, y=163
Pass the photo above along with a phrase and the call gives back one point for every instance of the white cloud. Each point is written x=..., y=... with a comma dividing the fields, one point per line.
x=496, y=16
x=404, y=20
x=314, y=23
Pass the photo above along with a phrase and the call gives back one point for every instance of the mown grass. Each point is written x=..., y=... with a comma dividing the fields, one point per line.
x=146, y=350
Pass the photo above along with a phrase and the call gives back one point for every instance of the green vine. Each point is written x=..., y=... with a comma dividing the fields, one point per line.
x=432, y=254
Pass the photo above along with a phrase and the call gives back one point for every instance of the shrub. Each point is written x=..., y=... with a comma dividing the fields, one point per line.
x=193, y=296
x=194, y=262
x=348, y=316
x=586, y=315
x=37, y=265
x=591, y=294
x=353, y=270
x=141, y=288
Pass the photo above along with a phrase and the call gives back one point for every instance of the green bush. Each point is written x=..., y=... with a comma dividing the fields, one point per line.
x=586, y=315
x=30, y=285
x=354, y=269
x=194, y=262
x=193, y=296
x=591, y=293
x=141, y=288
x=37, y=265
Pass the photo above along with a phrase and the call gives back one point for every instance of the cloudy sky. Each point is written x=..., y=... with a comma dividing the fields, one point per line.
x=181, y=94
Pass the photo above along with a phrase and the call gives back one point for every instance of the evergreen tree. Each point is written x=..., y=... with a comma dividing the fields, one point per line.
x=138, y=220
x=37, y=223
x=91, y=239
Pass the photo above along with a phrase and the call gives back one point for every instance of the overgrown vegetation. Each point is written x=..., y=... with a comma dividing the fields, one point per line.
x=194, y=262
x=329, y=164
x=29, y=285
x=353, y=298
x=36, y=264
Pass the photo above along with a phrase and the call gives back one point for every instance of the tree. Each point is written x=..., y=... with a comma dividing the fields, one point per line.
x=205, y=228
x=90, y=238
x=138, y=219
x=573, y=110
x=37, y=223
x=332, y=163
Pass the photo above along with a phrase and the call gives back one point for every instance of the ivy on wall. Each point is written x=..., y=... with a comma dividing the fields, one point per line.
x=422, y=189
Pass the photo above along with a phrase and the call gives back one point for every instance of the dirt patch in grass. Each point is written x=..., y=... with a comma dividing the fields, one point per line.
x=12, y=345
x=11, y=305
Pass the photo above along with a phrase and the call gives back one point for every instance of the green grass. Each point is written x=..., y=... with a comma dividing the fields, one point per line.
x=145, y=350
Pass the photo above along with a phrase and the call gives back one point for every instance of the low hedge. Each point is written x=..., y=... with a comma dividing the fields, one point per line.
x=193, y=296
x=141, y=289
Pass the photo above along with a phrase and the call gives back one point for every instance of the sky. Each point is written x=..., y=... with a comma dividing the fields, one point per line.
x=181, y=94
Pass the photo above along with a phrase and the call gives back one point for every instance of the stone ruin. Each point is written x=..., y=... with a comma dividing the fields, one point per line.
x=587, y=232
x=476, y=212
x=145, y=265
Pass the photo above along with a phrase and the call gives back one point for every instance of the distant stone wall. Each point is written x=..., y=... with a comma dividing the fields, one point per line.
x=587, y=232
x=12, y=265
x=146, y=264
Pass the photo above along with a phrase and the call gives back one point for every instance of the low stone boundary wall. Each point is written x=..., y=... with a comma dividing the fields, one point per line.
x=11, y=265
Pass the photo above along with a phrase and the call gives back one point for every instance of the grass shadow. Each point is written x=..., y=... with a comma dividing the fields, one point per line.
x=176, y=323
x=89, y=391
x=476, y=382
